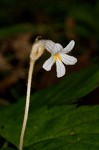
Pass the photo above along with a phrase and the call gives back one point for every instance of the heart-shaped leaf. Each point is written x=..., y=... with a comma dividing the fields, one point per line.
x=53, y=122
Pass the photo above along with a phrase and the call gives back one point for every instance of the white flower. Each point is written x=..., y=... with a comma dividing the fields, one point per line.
x=59, y=56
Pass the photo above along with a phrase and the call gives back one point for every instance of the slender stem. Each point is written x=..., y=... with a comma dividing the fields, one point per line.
x=27, y=104
x=36, y=52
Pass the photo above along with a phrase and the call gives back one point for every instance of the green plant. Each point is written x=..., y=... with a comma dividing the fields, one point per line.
x=54, y=121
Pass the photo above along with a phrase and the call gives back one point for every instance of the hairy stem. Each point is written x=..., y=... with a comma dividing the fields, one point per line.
x=36, y=52
x=27, y=104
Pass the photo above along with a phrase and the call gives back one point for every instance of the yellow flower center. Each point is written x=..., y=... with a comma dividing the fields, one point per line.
x=56, y=56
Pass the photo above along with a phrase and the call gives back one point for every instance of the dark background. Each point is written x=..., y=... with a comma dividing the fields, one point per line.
x=59, y=20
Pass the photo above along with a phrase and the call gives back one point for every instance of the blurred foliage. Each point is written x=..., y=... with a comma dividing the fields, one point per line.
x=55, y=120
x=84, y=14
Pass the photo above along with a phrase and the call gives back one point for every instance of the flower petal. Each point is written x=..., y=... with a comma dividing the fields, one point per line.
x=49, y=45
x=69, y=47
x=68, y=60
x=60, y=68
x=48, y=64
x=58, y=47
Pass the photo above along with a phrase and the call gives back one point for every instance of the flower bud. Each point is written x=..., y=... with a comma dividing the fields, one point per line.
x=37, y=50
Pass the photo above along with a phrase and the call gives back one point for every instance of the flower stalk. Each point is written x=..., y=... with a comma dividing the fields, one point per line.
x=59, y=56
x=36, y=52
x=27, y=104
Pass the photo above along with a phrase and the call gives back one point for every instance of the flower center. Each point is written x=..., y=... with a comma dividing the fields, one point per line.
x=56, y=56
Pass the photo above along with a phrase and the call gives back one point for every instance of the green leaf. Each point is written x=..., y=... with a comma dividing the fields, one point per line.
x=69, y=89
x=60, y=121
x=52, y=118
x=83, y=141
x=64, y=124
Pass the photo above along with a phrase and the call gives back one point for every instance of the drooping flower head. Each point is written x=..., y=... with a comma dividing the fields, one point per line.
x=59, y=56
